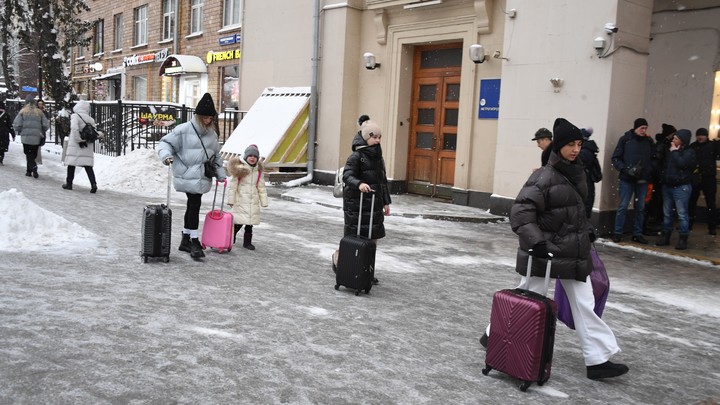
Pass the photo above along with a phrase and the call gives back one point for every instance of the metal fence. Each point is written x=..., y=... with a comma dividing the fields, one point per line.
x=134, y=125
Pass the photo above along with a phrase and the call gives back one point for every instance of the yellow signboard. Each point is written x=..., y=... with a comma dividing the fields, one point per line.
x=221, y=56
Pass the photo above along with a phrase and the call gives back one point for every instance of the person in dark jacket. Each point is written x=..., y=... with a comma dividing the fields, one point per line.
x=31, y=124
x=633, y=158
x=677, y=187
x=543, y=137
x=654, y=208
x=593, y=170
x=706, y=153
x=548, y=216
x=6, y=131
x=364, y=173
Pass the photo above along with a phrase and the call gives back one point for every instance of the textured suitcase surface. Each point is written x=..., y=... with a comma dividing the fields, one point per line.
x=522, y=334
x=156, y=230
x=356, y=263
x=218, y=231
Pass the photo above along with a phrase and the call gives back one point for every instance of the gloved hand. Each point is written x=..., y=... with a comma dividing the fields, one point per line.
x=167, y=161
x=540, y=250
x=82, y=144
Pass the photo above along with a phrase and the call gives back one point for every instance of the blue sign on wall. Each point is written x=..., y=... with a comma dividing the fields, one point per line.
x=228, y=40
x=29, y=89
x=489, y=98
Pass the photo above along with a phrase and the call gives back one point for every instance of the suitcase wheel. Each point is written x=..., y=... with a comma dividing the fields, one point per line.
x=486, y=370
x=144, y=259
x=166, y=259
x=357, y=292
x=202, y=245
x=337, y=286
x=230, y=248
x=221, y=250
x=524, y=386
x=367, y=290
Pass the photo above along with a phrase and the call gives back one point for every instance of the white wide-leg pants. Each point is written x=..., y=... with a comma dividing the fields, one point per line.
x=597, y=341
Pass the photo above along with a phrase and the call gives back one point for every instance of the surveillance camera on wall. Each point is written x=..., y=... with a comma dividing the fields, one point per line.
x=611, y=28
x=370, y=63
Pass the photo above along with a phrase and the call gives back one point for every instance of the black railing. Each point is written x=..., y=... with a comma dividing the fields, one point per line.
x=135, y=125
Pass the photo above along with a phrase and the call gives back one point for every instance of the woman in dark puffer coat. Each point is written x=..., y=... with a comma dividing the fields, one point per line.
x=364, y=173
x=549, y=217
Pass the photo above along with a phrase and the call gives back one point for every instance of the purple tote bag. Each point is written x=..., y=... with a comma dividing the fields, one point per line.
x=601, y=289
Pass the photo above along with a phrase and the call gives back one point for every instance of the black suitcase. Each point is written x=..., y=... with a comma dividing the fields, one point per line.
x=356, y=260
x=156, y=229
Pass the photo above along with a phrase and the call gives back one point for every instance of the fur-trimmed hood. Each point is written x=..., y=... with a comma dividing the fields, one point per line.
x=238, y=168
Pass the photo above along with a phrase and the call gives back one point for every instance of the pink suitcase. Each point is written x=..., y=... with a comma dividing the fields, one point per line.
x=218, y=227
x=522, y=333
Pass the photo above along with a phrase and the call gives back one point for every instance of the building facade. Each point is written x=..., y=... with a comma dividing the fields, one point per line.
x=166, y=50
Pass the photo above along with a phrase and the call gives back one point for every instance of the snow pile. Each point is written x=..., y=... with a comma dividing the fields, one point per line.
x=137, y=172
x=23, y=221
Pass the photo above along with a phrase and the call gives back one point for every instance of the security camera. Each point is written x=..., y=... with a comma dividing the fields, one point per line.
x=370, y=63
x=599, y=43
x=611, y=28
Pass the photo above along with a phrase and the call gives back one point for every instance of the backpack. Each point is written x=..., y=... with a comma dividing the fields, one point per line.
x=595, y=171
x=339, y=184
x=88, y=133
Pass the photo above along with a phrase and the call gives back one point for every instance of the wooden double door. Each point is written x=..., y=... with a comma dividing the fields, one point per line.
x=434, y=120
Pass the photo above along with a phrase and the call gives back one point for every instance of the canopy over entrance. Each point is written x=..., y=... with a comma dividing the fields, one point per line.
x=181, y=64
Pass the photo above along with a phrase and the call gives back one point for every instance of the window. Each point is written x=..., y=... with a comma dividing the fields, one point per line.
x=196, y=12
x=98, y=34
x=118, y=31
x=140, y=88
x=168, y=20
x=233, y=11
x=80, y=51
x=140, y=14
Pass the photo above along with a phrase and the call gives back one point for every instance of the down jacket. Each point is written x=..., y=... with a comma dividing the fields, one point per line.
x=550, y=208
x=633, y=149
x=75, y=155
x=247, y=192
x=365, y=165
x=184, y=147
x=31, y=124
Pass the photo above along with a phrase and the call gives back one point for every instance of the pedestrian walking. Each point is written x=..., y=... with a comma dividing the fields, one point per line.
x=633, y=158
x=677, y=187
x=189, y=147
x=247, y=193
x=548, y=216
x=6, y=131
x=31, y=124
x=543, y=137
x=79, y=152
x=364, y=173
x=704, y=180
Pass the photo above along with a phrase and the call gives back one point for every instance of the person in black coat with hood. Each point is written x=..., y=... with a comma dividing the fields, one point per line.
x=6, y=130
x=364, y=173
x=593, y=170
x=707, y=154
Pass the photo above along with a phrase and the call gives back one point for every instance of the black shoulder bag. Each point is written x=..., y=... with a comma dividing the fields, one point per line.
x=88, y=133
x=210, y=168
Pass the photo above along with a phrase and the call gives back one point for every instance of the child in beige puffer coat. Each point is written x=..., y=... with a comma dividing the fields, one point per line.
x=247, y=192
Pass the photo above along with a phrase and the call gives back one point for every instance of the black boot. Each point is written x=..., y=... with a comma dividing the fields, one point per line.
x=196, y=251
x=34, y=172
x=236, y=229
x=664, y=239
x=67, y=186
x=606, y=370
x=682, y=243
x=93, y=188
x=185, y=243
x=247, y=242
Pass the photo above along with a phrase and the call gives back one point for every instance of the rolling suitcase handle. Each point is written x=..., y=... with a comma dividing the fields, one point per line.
x=222, y=201
x=372, y=212
x=529, y=271
x=169, y=183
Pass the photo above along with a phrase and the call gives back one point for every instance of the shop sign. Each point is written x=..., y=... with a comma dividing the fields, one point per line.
x=221, y=56
x=148, y=58
x=489, y=98
x=228, y=40
x=88, y=68
x=150, y=115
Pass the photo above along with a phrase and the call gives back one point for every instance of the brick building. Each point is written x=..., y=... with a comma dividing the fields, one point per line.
x=166, y=50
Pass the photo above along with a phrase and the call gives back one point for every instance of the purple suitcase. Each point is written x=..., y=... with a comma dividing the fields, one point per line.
x=522, y=333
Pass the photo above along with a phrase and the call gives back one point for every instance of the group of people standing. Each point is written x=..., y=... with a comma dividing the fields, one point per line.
x=675, y=169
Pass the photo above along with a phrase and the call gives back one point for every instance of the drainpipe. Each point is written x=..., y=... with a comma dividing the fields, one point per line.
x=312, y=124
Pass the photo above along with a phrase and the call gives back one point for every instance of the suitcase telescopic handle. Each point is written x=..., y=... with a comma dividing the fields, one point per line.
x=169, y=183
x=547, y=271
x=222, y=201
x=372, y=212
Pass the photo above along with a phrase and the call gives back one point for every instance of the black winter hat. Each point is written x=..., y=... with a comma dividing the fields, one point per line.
x=667, y=129
x=564, y=132
x=542, y=133
x=684, y=135
x=701, y=132
x=639, y=122
x=362, y=119
x=206, y=106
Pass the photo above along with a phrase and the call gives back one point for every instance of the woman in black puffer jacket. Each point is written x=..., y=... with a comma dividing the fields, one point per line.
x=364, y=173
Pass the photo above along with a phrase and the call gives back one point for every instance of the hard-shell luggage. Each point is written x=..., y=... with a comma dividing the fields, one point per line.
x=522, y=333
x=356, y=260
x=156, y=229
x=218, y=227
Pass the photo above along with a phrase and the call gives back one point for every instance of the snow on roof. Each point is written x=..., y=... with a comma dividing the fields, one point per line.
x=268, y=120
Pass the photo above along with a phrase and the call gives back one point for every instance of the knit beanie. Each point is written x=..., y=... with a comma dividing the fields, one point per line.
x=701, y=132
x=586, y=132
x=639, y=123
x=542, y=133
x=667, y=129
x=206, y=106
x=684, y=135
x=251, y=150
x=368, y=129
x=564, y=132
